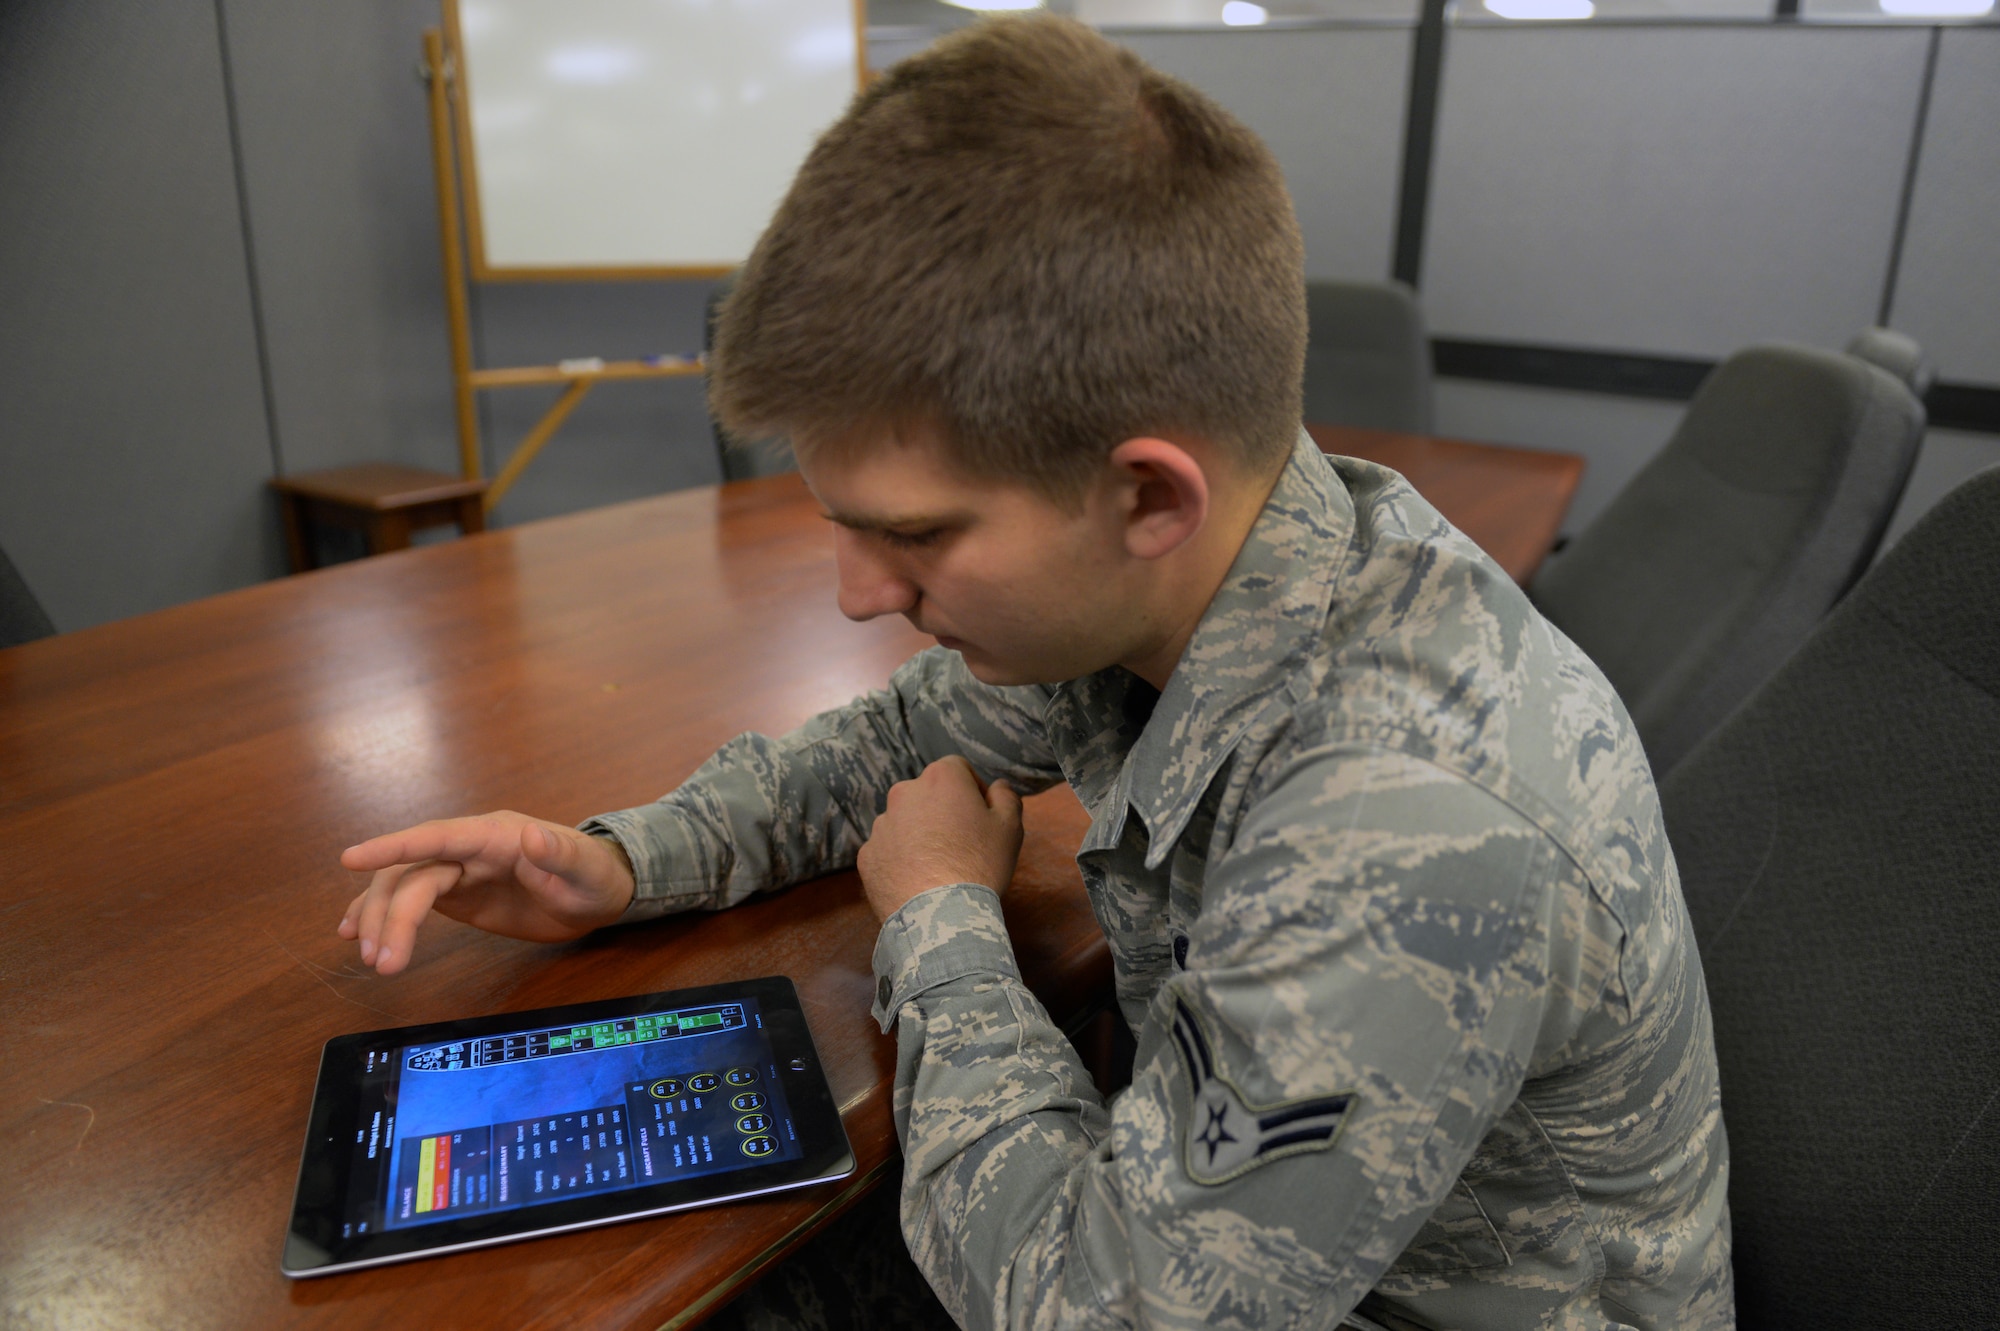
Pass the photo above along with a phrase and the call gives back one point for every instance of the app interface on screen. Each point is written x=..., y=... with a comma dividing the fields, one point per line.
x=542, y=1114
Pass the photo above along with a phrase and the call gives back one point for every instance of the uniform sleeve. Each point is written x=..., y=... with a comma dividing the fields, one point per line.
x=1360, y=1000
x=769, y=812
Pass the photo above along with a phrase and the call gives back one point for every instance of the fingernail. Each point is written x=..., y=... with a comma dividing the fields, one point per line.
x=367, y=950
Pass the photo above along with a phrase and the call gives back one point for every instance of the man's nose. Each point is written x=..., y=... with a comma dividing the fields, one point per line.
x=868, y=586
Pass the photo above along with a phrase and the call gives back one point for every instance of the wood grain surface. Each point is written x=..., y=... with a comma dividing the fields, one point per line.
x=1509, y=500
x=174, y=791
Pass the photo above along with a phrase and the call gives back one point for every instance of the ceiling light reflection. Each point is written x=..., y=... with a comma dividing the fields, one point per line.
x=1542, y=9
x=826, y=47
x=1937, y=8
x=594, y=64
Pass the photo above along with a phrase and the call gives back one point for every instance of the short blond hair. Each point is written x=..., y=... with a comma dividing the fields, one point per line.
x=1034, y=242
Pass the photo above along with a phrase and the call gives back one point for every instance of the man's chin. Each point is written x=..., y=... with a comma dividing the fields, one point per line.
x=996, y=673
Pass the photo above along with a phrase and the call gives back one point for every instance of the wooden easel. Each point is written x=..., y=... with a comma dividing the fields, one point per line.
x=450, y=141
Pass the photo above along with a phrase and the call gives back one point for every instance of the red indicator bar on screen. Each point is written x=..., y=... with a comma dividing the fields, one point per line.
x=441, y=1176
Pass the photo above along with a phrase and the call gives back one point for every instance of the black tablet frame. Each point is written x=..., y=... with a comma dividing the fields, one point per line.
x=313, y=1242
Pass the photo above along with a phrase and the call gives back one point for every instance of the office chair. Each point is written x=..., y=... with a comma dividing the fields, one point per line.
x=1839, y=846
x=741, y=459
x=1368, y=359
x=1898, y=353
x=1721, y=555
x=22, y=618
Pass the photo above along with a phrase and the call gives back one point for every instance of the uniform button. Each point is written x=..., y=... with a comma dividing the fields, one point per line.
x=882, y=991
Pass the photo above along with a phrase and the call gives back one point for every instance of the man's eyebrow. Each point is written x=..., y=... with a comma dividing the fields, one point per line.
x=895, y=522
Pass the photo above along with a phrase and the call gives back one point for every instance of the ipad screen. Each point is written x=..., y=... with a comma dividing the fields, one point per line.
x=546, y=1113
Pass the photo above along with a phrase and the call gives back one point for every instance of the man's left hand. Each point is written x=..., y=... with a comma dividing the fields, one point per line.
x=944, y=827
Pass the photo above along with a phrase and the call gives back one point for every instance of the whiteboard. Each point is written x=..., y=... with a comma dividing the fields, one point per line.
x=624, y=137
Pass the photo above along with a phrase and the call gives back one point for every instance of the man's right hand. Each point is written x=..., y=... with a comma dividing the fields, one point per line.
x=502, y=872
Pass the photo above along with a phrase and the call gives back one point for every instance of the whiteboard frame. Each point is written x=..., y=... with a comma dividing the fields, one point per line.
x=468, y=175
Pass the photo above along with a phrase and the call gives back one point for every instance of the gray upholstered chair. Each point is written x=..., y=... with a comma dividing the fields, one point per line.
x=741, y=459
x=1837, y=846
x=1368, y=358
x=1720, y=556
x=1898, y=353
x=22, y=618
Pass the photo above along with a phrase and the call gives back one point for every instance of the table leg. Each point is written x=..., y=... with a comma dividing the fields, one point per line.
x=298, y=538
x=388, y=531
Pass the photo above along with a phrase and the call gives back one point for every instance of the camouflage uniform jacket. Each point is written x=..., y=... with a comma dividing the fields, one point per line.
x=1394, y=917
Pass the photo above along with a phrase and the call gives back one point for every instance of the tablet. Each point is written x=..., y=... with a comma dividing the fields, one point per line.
x=429, y=1139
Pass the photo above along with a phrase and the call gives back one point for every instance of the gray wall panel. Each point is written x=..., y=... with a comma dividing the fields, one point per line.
x=336, y=148
x=1948, y=293
x=134, y=449
x=1673, y=190
x=1330, y=102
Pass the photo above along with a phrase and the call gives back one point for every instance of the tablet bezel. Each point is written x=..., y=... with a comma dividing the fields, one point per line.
x=313, y=1242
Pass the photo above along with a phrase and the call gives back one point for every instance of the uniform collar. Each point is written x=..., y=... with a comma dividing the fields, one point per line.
x=1260, y=629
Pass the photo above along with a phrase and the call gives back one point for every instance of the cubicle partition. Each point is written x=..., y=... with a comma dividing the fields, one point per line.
x=1608, y=208
x=1674, y=190
x=1948, y=290
x=1330, y=102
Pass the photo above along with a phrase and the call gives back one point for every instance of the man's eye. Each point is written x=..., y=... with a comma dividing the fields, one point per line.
x=911, y=540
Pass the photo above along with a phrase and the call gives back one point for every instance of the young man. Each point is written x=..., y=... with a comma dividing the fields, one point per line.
x=1393, y=913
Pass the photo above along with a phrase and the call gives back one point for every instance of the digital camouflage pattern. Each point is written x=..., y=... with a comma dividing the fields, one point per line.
x=1393, y=914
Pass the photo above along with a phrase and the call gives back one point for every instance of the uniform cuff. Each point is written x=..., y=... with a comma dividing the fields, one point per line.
x=939, y=936
x=657, y=846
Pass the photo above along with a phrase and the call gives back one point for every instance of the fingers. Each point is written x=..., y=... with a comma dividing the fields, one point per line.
x=956, y=770
x=415, y=895
x=545, y=855
x=364, y=916
x=1003, y=799
x=397, y=914
x=1000, y=796
x=350, y=923
x=445, y=839
x=386, y=915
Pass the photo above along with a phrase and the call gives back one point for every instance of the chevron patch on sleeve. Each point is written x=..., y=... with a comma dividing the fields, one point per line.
x=1225, y=1135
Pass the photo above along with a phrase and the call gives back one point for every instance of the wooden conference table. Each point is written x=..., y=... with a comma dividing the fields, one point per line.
x=174, y=791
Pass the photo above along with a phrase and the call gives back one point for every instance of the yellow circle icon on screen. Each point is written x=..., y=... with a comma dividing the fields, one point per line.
x=753, y=1123
x=703, y=1081
x=742, y=1076
x=666, y=1088
x=747, y=1101
x=759, y=1145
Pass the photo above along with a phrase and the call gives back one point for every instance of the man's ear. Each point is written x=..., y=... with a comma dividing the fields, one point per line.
x=1161, y=493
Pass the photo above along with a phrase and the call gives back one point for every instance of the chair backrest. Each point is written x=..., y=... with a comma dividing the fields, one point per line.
x=1368, y=358
x=741, y=459
x=1898, y=353
x=1720, y=556
x=22, y=618
x=1839, y=846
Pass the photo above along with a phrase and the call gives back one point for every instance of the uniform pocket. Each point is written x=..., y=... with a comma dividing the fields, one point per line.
x=1459, y=1236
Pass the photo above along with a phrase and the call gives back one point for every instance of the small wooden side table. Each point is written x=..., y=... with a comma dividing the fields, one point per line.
x=384, y=501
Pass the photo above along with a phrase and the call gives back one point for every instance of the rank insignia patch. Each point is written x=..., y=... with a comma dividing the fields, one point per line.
x=1227, y=1136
